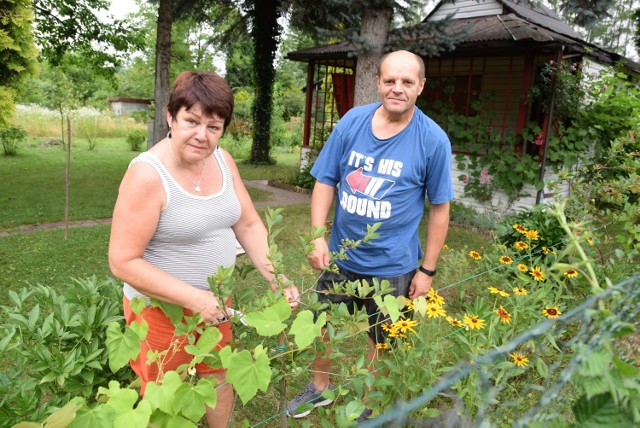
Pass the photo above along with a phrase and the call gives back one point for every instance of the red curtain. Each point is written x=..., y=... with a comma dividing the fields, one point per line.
x=344, y=86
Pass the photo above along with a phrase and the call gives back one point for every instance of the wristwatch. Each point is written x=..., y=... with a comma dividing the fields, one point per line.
x=427, y=271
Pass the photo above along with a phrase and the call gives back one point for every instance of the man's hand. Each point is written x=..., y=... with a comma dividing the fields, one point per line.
x=420, y=285
x=292, y=295
x=319, y=257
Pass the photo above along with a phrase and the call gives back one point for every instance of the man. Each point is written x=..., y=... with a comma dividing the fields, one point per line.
x=382, y=158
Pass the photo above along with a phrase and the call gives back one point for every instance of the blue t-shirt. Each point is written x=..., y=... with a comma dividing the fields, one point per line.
x=383, y=181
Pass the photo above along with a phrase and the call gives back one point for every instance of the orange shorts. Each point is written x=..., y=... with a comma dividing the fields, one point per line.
x=160, y=337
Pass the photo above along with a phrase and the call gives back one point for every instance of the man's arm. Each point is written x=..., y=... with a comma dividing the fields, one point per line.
x=437, y=227
x=321, y=200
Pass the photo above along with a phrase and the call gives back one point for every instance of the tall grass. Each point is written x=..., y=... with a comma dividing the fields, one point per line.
x=39, y=122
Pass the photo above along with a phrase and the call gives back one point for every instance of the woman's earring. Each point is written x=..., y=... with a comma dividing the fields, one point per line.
x=169, y=133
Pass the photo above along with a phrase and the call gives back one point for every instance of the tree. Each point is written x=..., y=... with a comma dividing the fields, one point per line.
x=163, y=63
x=63, y=26
x=17, y=53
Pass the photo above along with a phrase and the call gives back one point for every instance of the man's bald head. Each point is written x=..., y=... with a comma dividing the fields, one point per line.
x=405, y=55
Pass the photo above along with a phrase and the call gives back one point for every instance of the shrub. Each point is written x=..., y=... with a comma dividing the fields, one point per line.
x=537, y=218
x=10, y=138
x=135, y=139
x=55, y=340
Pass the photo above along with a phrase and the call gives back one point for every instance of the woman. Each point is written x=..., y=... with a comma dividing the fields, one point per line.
x=180, y=207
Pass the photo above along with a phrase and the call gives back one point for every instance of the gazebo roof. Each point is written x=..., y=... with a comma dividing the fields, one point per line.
x=519, y=25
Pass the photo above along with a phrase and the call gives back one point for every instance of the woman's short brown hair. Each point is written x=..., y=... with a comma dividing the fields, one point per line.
x=206, y=88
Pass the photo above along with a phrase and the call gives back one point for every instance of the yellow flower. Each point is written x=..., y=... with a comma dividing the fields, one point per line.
x=405, y=325
x=389, y=328
x=571, y=273
x=532, y=235
x=435, y=311
x=409, y=304
x=523, y=268
x=473, y=321
x=408, y=345
x=495, y=290
x=475, y=255
x=505, y=317
x=505, y=260
x=589, y=241
x=520, y=291
x=551, y=312
x=455, y=322
x=435, y=298
x=537, y=274
x=383, y=346
x=519, y=360
x=520, y=228
x=445, y=247
x=520, y=245
x=548, y=250
x=396, y=333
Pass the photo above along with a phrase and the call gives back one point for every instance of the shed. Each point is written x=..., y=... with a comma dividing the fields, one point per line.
x=501, y=48
x=123, y=105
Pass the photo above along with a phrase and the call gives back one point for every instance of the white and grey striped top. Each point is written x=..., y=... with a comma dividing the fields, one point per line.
x=194, y=236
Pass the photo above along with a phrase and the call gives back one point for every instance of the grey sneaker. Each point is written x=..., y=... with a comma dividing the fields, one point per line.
x=309, y=395
x=364, y=416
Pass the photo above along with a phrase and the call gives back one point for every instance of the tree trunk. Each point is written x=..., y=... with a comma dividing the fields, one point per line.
x=163, y=62
x=374, y=30
x=266, y=36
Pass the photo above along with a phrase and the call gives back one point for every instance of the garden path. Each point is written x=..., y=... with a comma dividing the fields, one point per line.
x=280, y=196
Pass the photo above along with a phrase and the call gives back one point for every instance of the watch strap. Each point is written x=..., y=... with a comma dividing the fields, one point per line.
x=427, y=271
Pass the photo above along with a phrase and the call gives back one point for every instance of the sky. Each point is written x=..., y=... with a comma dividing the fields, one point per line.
x=120, y=8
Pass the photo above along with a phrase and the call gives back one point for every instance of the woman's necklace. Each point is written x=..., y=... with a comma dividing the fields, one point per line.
x=196, y=184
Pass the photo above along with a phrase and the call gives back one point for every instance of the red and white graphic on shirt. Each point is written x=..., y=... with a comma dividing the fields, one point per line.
x=373, y=187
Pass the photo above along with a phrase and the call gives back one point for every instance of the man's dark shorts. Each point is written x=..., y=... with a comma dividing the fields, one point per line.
x=400, y=285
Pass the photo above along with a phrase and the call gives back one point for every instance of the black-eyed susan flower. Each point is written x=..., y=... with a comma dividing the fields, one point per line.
x=455, y=322
x=523, y=268
x=506, y=260
x=445, y=247
x=532, y=235
x=475, y=255
x=537, y=274
x=383, y=346
x=435, y=311
x=551, y=312
x=505, y=317
x=520, y=228
x=474, y=322
x=589, y=241
x=396, y=333
x=435, y=298
x=389, y=328
x=571, y=273
x=496, y=290
x=409, y=304
x=519, y=360
x=546, y=250
x=520, y=245
x=520, y=291
x=405, y=325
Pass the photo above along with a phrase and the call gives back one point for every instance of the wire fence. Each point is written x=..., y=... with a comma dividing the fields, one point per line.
x=560, y=348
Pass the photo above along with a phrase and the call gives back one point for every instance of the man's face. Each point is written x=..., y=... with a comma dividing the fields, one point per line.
x=399, y=83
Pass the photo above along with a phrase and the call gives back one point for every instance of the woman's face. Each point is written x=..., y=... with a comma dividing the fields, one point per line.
x=194, y=135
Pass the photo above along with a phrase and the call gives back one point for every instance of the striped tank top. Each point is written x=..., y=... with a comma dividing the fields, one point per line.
x=194, y=236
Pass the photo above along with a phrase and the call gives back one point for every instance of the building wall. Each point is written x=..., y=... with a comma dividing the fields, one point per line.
x=499, y=204
x=121, y=108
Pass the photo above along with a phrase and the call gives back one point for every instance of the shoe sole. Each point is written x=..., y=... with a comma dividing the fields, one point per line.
x=306, y=413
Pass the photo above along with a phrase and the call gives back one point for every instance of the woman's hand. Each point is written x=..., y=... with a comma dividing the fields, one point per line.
x=206, y=303
x=290, y=292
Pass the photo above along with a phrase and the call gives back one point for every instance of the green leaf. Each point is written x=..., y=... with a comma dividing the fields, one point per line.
x=138, y=304
x=209, y=339
x=138, y=417
x=599, y=411
x=191, y=399
x=626, y=370
x=542, y=368
x=98, y=417
x=269, y=321
x=305, y=330
x=162, y=396
x=247, y=374
x=596, y=363
x=61, y=418
x=120, y=399
x=354, y=409
x=34, y=314
x=174, y=312
x=121, y=347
